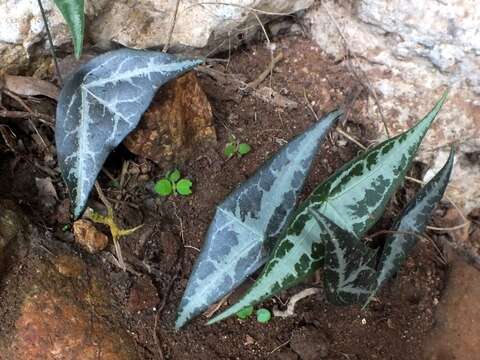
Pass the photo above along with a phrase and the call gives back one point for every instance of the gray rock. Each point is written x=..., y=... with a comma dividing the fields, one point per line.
x=142, y=24
x=411, y=52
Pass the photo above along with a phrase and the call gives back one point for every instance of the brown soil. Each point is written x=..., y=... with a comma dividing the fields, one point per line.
x=394, y=327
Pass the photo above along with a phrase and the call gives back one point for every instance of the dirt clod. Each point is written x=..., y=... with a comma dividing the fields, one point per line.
x=143, y=296
x=310, y=343
x=89, y=237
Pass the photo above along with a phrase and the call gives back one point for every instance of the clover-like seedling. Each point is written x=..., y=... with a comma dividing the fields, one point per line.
x=263, y=315
x=173, y=183
x=245, y=313
x=234, y=147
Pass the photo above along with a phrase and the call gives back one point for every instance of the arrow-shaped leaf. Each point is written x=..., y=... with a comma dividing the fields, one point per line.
x=73, y=12
x=102, y=103
x=349, y=265
x=412, y=223
x=353, y=198
x=248, y=222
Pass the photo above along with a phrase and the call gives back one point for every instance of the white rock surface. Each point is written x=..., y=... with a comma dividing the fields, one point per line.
x=208, y=25
x=411, y=51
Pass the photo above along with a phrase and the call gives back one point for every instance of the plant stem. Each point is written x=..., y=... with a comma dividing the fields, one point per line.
x=52, y=49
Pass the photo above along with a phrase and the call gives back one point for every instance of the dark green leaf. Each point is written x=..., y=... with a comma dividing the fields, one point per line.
x=174, y=176
x=163, y=187
x=248, y=222
x=184, y=187
x=411, y=224
x=73, y=12
x=353, y=198
x=229, y=150
x=349, y=265
x=244, y=149
x=102, y=103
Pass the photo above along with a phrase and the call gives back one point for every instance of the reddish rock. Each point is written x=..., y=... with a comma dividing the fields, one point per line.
x=178, y=121
x=56, y=308
x=53, y=327
x=89, y=237
x=455, y=335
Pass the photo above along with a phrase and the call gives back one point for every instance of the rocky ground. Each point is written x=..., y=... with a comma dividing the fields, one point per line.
x=65, y=297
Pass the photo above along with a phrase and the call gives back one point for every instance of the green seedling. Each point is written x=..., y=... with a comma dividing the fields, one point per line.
x=263, y=315
x=234, y=147
x=173, y=183
x=245, y=313
x=114, y=184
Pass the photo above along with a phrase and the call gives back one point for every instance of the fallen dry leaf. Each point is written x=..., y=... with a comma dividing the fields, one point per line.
x=29, y=86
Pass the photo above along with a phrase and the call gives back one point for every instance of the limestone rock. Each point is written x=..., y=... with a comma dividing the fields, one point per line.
x=178, y=121
x=139, y=24
x=411, y=52
x=89, y=237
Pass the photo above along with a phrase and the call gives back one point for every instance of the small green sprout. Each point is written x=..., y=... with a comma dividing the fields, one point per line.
x=245, y=313
x=173, y=183
x=234, y=147
x=263, y=315
x=114, y=184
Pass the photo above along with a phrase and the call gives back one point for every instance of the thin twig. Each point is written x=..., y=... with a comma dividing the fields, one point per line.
x=290, y=311
x=464, y=251
x=102, y=196
x=214, y=308
x=280, y=346
x=52, y=49
x=452, y=228
x=11, y=114
x=253, y=84
x=263, y=12
x=155, y=338
x=172, y=27
x=368, y=86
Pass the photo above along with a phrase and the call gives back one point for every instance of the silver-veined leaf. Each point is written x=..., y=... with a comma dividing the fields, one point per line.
x=353, y=198
x=411, y=224
x=349, y=265
x=73, y=13
x=249, y=221
x=102, y=103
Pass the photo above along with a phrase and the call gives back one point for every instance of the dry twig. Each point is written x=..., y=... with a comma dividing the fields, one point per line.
x=172, y=27
x=290, y=311
x=356, y=70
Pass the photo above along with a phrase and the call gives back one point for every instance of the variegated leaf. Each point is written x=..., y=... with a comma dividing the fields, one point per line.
x=102, y=103
x=349, y=265
x=353, y=198
x=248, y=222
x=411, y=224
x=292, y=261
x=73, y=12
